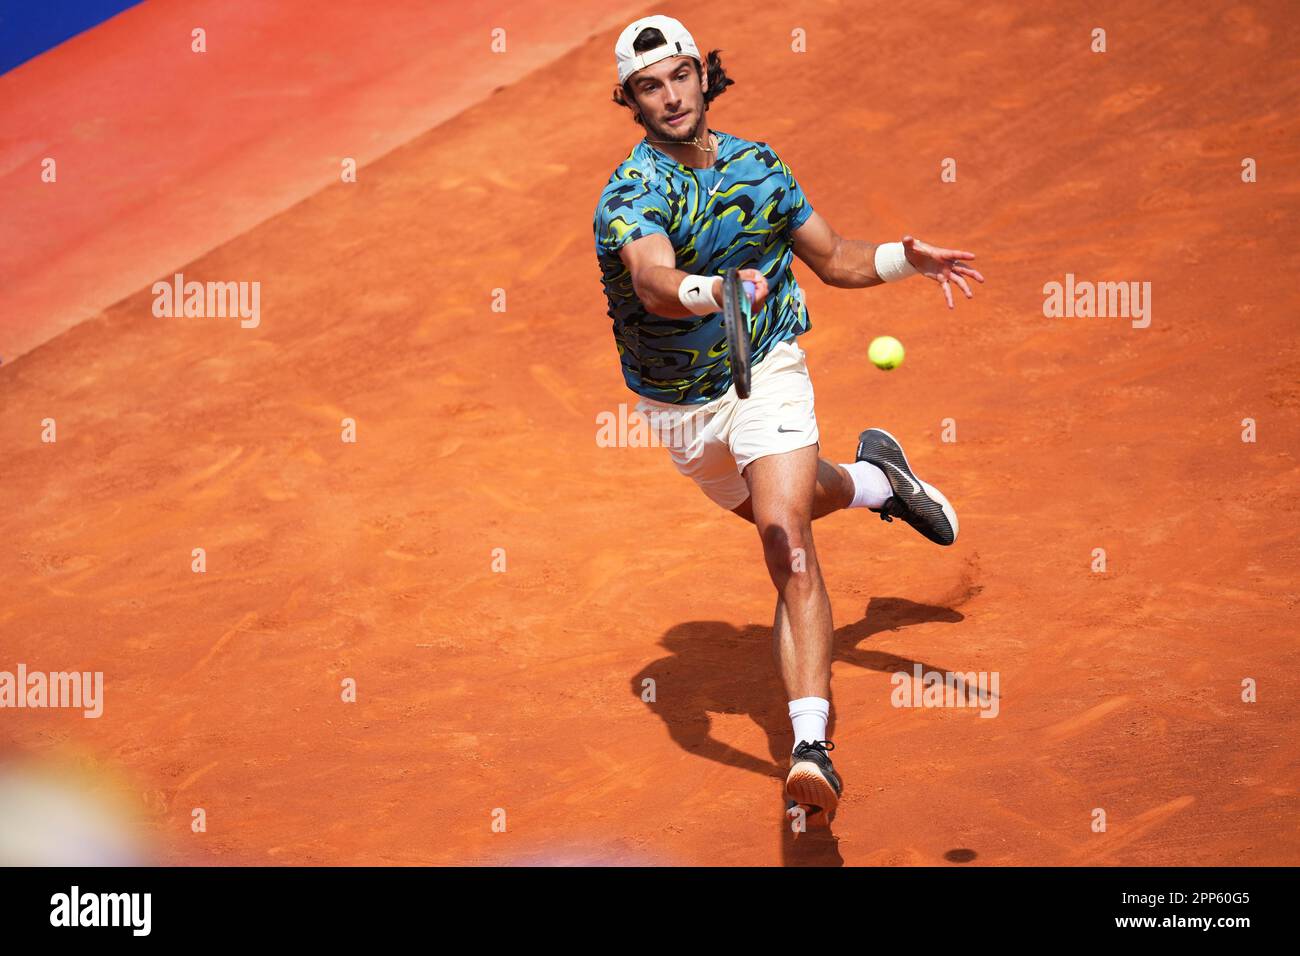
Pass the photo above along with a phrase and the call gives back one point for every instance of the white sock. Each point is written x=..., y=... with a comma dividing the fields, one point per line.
x=871, y=488
x=809, y=716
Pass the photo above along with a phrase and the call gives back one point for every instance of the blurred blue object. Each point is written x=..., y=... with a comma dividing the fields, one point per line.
x=30, y=27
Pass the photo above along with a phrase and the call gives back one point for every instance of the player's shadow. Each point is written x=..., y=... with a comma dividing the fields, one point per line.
x=715, y=668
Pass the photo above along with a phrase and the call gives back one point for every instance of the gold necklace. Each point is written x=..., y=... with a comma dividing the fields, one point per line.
x=693, y=141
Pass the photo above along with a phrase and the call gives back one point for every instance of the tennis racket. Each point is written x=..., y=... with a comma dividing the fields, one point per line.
x=736, y=298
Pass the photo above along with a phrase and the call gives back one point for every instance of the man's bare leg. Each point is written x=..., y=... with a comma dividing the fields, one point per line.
x=834, y=492
x=886, y=484
x=798, y=672
x=782, y=492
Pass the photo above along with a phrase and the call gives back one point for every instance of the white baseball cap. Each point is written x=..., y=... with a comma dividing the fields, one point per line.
x=680, y=43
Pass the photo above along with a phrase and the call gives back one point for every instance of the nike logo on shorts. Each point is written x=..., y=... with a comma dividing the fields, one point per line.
x=784, y=430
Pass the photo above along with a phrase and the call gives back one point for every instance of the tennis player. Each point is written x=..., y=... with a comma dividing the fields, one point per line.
x=688, y=203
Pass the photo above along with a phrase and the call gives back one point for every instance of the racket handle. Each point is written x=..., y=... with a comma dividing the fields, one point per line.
x=749, y=289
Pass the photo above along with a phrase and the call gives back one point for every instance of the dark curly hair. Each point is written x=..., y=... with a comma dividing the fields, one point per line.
x=716, y=79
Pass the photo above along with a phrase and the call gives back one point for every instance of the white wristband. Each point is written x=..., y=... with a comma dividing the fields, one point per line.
x=696, y=293
x=891, y=262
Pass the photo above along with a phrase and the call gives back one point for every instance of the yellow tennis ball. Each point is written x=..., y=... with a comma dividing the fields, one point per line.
x=885, y=352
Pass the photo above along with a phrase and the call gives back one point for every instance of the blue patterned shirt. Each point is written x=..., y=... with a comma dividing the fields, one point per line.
x=740, y=212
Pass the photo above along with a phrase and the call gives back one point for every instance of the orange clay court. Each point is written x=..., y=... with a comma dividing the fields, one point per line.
x=480, y=691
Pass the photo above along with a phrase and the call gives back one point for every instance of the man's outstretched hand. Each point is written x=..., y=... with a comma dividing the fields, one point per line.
x=944, y=266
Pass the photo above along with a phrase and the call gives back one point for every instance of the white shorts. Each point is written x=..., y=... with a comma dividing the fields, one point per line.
x=713, y=443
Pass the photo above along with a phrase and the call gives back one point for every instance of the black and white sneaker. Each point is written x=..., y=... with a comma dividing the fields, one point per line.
x=812, y=781
x=919, y=504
